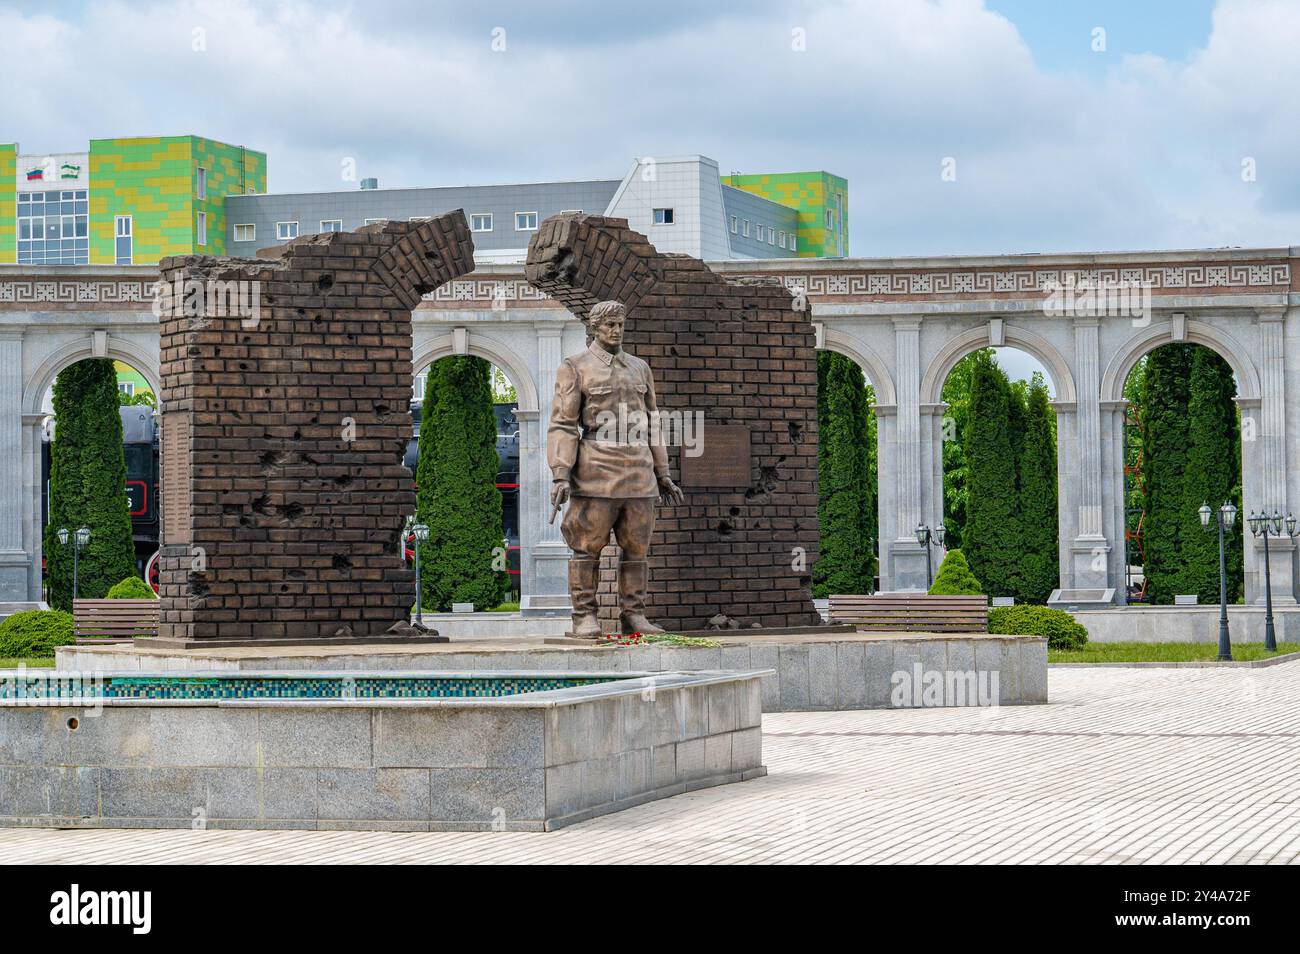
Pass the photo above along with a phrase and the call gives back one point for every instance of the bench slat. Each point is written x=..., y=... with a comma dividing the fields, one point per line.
x=907, y=613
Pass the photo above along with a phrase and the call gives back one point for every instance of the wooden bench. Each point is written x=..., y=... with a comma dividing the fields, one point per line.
x=912, y=613
x=114, y=621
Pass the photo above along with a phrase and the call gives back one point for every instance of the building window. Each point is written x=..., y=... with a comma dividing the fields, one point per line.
x=525, y=221
x=245, y=232
x=201, y=229
x=331, y=225
x=830, y=220
x=52, y=228
x=122, y=240
x=780, y=239
x=420, y=218
x=663, y=216
x=570, y=211
x=759, y=233
x=284, y=231
x=201, y=183
x=735, y=224
x=375, y=221
x=744, y=227
x=792, y=248
x=480, y=222
x=771, y=235
x=127, y=388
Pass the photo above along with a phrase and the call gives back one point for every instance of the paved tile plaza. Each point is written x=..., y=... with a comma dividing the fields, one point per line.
x=1125, y=766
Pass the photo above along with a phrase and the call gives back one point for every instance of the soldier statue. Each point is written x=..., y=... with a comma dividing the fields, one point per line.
x=609, y=462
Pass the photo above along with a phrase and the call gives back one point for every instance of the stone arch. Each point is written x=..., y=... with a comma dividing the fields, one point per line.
x=118, y=350
x=876, y=370
x=480, y=346
x=1013, y=337
x=1122, y=362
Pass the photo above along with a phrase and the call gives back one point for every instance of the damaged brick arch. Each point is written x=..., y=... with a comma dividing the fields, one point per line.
x=739, y=352
x=283, y=434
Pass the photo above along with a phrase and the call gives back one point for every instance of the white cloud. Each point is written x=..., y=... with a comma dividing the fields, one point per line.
x=1147, y=154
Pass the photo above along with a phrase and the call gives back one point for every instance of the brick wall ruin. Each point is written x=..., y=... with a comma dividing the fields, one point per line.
x=285, y=418
x=741, y=353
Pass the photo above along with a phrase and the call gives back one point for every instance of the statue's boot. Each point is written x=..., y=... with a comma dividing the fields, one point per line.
x=583, y=574
x=633, y=578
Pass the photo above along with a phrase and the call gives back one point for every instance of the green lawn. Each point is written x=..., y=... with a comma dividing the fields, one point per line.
x=1163, y=652
x=29, y=663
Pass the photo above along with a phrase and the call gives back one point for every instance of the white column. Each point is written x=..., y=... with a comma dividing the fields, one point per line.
x=15, y=561
x=1090, y=551
x=1270, y=437
x=908, y=556
x=33, y=439
x=547, y=589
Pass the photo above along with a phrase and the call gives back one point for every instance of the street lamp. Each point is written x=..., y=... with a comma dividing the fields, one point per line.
x=926, y=537
x=80, y=538
x=1263, y=525
x=421, y=533
x=1227, y=516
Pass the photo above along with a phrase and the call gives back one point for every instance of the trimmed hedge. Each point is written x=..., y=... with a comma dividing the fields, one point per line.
x=955, y=577
x=34, y=634
x=132, y=588
x=846, y=505
x=1062, y=630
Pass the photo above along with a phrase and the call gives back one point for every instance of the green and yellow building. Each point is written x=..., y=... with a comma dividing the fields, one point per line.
x=129, y=201
x=822, y=202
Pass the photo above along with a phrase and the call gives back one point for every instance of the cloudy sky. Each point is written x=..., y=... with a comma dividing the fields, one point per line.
x=1100, y=125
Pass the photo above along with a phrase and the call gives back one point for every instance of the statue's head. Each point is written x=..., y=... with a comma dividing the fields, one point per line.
x=606, y=323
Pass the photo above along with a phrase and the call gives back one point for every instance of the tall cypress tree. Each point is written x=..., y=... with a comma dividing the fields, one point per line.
x=845, y=455
x=956, y=394
x=457, y=494
x=1213, y=476
x=88, y=484
x=991, y=538
x=1039, y=568
x=1165, y=393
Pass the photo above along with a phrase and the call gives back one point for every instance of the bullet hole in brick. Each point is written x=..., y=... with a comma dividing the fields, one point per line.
x=724, y=528
x=296, y=575
x=423, y=288
x=197, y=585
x=291, y=511
x=325, y=282
x=302, y=312
x=315, y=420
x=245, y=520
x=308, y=459
x=343, y=480
x=230, y=509
x=317, y=320
x=297, y=435
x=805, y=581
x=235, y=414
x=796, y=432
x=262, y=504
x=752, y=492
x=268, y=299
x=272, y=459
x=673, y=351
x=247, y=338
x=195, y=352
x=340, y=562
x=284, y=587
x=735, y=511
x=243, y=366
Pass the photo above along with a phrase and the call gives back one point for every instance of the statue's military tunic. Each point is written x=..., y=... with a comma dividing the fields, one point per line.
x=601, y=441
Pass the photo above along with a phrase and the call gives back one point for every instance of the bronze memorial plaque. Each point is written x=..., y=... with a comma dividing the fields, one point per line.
x=724, y=461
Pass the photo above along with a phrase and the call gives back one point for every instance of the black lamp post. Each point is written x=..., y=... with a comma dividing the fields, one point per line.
x=926, y=537
x=1227, y=516
x=1263, y=525
x=80, y=538
x=421, y=533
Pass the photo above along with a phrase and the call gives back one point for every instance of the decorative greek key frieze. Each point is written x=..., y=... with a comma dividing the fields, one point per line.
x=65, y=291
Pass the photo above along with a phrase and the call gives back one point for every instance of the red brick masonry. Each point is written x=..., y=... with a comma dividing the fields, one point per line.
x=283, y=433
